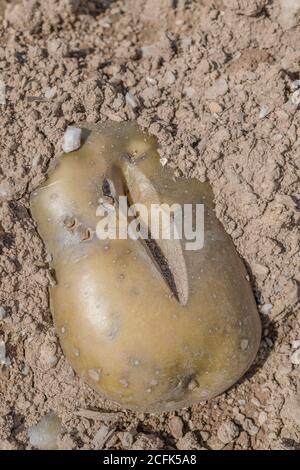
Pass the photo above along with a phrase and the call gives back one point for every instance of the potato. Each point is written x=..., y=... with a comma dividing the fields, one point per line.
x=149, y=324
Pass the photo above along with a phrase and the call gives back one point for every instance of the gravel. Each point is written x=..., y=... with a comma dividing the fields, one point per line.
x=72, y=139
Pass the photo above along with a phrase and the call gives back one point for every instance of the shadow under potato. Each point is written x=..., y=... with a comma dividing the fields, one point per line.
x=263, y=352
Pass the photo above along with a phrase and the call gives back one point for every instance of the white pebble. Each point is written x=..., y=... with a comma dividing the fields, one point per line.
x=163, y=161
x=219, y=88
x=295, y=98
x=151, y=81
x=170, y=78
x=262, y=417
x=7, y=362
x=296, y=344
x=295, y=85
x=263, y=112
x=250, y=427
x=72, y=139
x=255, y=401
x=204, y=435
x=4, y=360
x=132, y=100
x=44, y=434
x=5, y=190
x=2, y=313
x=295, y=357
x=50, y=93
x=266, y=308
x=102, y=435
x=2, y=352
x=189, y=92
x=105, y=22
x=2, y=92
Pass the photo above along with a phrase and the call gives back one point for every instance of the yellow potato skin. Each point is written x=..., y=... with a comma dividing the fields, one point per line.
x=119, y=326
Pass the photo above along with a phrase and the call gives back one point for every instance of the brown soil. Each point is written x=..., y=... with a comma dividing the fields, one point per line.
x=215, y=81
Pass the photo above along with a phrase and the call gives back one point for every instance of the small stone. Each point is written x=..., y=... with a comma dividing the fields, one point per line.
x=2, y=352
x=260, y=269
x=266, y=309
x=7, y=361
x=151, y=81
x=127, y=437
x=25, y=369
x=44, y=435
x=72, y=139
x=263, y=112
x=48, y=354
x=227, y=432
x=105, y=22
x=295, y=98
x=189, y=92
x=215, y=107
x=295, y=357
x=169, y=78
x=6, y=191
x=262, y=417
x=150, y=94
x=2, y=92
x=255, y=402
x=176, y=427
x=4, y=359
x=250, y=427
x=219, y=88
x=50, y=93
x=296, y=344
x=204, y=435
x=295, y=85
x=132, y=100
x=102, y=435
x=2, y=313
x=163, y=161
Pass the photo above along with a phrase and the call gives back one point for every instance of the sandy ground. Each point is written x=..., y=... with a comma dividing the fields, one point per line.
x=217, y=83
